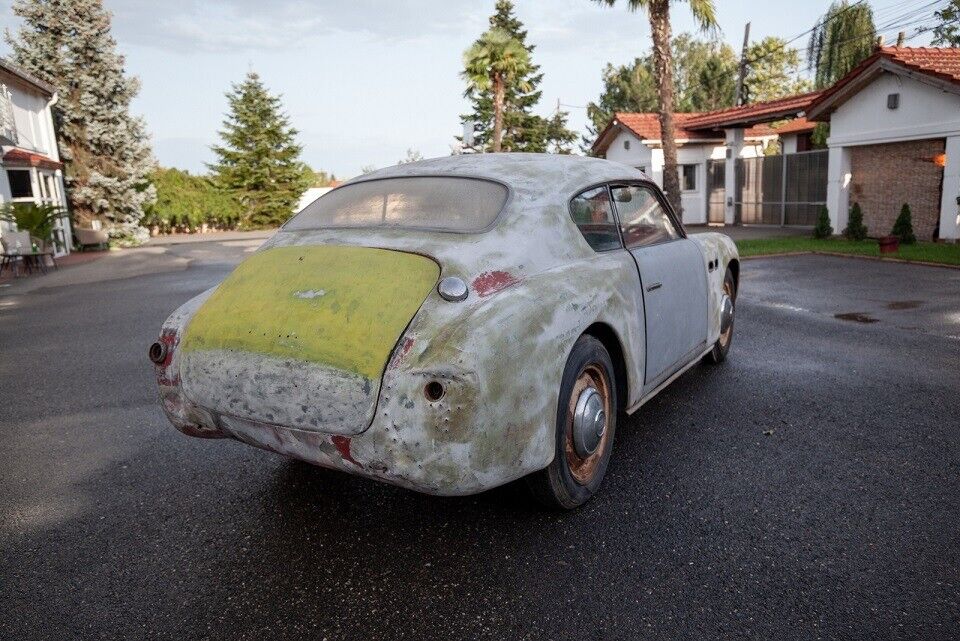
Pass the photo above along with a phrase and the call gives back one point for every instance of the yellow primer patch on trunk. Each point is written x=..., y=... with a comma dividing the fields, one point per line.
x=342, y=306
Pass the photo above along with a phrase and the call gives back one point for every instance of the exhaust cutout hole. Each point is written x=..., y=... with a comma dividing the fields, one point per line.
x=433, y=391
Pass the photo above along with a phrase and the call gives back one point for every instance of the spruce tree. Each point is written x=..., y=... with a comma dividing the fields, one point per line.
x=259, y=160
x=106, y=150
x=823, y=229
x=522, y=129
x=855, y=229
x=903, y=227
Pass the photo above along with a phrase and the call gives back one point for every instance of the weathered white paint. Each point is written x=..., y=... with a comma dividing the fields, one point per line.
x=924, y=111
x=532, y=273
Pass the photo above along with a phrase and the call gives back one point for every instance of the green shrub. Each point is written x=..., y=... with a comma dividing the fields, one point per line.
x=823, y=228
x=186, y=202
x=855, y=229
x=903, y=228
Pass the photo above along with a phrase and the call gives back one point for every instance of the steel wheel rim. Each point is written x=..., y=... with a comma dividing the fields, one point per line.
x=725, y=336
x=584, y=469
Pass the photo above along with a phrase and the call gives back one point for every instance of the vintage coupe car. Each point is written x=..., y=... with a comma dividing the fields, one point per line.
x=453, y=324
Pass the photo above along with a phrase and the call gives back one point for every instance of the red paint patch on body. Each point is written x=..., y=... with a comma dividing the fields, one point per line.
x=342, y=443
x=402, y=352
x=492, y=282
x=171, y=339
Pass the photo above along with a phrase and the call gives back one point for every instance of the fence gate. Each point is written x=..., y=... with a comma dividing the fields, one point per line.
x=716, y=190
x=780, y=190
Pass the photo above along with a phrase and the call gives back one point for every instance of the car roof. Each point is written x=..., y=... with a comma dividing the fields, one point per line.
x=525, y=173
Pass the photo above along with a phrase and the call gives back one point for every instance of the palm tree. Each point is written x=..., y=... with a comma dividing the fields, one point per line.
x=494, y=61
x=658, y=11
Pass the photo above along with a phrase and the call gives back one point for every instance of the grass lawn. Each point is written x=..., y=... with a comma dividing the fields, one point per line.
x=926, y=252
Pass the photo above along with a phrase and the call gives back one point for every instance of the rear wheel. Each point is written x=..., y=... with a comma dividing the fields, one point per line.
x=720, y=349
x=586, y=424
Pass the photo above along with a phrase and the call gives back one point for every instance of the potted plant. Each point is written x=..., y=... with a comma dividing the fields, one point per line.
x=39, y=220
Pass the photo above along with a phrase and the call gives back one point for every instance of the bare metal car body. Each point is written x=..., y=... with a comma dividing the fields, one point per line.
x=535, y=286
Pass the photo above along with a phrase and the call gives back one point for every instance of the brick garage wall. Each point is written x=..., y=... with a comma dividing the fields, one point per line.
x=886, y=176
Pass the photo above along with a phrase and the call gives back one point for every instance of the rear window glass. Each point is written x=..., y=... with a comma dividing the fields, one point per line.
x=443, y=203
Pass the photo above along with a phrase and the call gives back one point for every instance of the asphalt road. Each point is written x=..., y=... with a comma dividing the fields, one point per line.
x=807, y=488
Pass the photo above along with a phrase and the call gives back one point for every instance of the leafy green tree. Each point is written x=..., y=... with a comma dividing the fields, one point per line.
x=823, y=228
x=947, y=32
x=840, y=40
x=773, y=71
x=903, y=227
x=259, y=160
x=855, y=229
x=413, y=155
x=629, y=88
x=318, y=178
x=658, y=13
x=705, y=73
x=523, y=130
x=67, y=43
x=188, y=201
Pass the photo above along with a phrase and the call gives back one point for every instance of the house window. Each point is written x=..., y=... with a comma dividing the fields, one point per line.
x=688, y=177
x=626, y=145
x=20, y=183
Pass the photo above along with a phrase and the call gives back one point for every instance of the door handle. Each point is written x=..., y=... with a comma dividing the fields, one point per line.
x=654, y=286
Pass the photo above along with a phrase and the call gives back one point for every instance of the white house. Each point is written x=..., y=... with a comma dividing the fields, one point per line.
x=895, y=139
x=634, y=139
x=30, y=167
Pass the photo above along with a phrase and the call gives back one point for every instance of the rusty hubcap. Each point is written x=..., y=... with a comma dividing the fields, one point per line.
x=591, y=396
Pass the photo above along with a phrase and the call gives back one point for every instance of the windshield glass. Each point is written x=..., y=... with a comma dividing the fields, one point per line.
x=443, y=203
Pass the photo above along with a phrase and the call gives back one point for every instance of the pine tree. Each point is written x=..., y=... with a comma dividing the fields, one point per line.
x=259, y=159
x=903, y=227
x=522, y=129
x=67, y=43
x=855, y=229
x=823, y=229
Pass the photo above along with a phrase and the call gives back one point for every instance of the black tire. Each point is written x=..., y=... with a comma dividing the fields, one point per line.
x=569, y=481
x=722, y=347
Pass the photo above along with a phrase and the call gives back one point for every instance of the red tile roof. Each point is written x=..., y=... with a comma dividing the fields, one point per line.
x=756, y=113
x=647, y=125
x=24, y=158
x=942, y=63
x=795, y=126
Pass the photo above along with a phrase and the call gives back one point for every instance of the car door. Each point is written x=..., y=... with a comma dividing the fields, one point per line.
x=672, y=277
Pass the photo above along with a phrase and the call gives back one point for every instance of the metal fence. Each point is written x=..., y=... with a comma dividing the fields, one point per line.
x=716, y=190
x=781, y=190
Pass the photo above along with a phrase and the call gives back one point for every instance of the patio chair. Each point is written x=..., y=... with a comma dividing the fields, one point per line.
x=14, y=244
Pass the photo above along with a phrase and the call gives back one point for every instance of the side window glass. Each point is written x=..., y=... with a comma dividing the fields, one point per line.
x=643, y=219
x=593, y=215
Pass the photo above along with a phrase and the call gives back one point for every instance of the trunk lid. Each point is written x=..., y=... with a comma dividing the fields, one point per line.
x=300, y=336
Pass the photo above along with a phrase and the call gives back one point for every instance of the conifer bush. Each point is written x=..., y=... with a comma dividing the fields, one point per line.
x=855, y=229
x=903, y=228
x=823, y=228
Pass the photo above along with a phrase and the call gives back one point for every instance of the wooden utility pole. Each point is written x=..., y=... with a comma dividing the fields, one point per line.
x=742, y=72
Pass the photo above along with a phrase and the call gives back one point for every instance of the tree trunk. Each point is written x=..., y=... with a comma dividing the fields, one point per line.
x=498, y=97
x=659, y=11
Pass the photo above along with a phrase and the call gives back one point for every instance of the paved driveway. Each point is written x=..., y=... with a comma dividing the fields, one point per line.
x=808, y=488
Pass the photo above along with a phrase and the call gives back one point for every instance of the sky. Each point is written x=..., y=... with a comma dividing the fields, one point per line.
x=363, y=81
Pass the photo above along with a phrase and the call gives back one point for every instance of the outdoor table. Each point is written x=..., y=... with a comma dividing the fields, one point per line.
x=30, y=260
